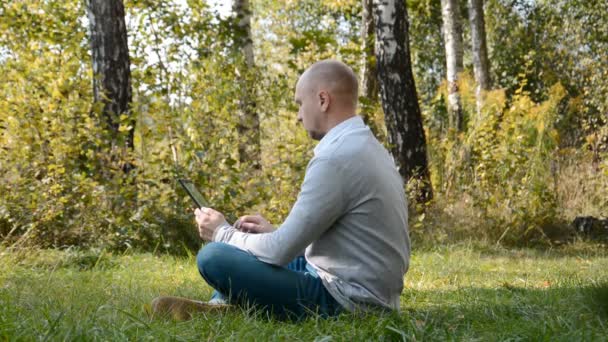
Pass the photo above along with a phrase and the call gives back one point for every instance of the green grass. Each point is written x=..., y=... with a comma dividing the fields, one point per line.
x=452, y=293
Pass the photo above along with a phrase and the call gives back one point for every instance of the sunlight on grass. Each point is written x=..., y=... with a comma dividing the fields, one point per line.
x=460, y=292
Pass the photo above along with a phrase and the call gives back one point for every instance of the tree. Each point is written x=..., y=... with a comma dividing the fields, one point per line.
x=398, y=93
x=452, y=36
x=481, y=64
x=249, y=121
x=369, y=74
x=111, y=71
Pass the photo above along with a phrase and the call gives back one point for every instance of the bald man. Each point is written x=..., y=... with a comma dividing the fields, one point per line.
x=343, y=246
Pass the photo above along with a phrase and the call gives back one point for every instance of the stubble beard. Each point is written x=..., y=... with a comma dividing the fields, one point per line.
x=316, y=135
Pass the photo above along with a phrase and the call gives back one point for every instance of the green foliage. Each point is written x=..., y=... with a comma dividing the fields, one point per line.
x=520, y=160
x=504, y=163
x=533, y=158
x=548, y=42
x=427, y=49
x=63, y=187
x=49, y=141
x=291, y=35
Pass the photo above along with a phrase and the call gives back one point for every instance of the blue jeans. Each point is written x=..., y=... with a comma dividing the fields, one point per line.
x=290, y=292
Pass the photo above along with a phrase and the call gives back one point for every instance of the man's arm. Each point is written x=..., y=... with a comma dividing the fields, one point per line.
x=320, y=203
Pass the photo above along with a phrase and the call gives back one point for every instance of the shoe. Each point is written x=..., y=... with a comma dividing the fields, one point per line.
x=181, y=309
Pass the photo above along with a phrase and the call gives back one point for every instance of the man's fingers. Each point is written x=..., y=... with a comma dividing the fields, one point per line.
x=249, y=226
x=251, y=218
x=239, y=224
x=204, y=211
x=245, y=225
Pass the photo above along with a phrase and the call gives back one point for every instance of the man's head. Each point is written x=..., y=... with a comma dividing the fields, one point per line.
x=326, y=94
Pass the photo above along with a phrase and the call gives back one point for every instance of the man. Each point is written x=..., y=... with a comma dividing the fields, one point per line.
x=350, y=220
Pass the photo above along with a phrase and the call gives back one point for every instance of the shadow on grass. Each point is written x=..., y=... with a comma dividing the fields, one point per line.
x=509, y=313
x=562, y=314
x=579, y=248
x=497, y=314
x=597, y=296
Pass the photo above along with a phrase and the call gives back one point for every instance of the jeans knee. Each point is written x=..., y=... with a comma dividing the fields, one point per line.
x=209, y=257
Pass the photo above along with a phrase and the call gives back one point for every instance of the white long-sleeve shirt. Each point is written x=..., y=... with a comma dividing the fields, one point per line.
x=350, y=217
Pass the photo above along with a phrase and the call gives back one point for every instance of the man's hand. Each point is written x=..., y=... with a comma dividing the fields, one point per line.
x=254, y=224
x=208, y=220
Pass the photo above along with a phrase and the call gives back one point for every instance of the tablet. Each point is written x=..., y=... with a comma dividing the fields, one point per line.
x=194, y=193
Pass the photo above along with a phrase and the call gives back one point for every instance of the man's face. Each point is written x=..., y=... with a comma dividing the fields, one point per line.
x=310, y=112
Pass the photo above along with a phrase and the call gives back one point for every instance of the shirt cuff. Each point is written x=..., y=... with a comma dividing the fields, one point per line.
x=219, y=232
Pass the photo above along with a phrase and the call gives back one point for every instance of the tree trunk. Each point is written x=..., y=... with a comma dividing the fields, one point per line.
x=398, y=93
x=481, y=64
x=452, y=36
x=249, y=121
x=111, y=73
x=369, y=74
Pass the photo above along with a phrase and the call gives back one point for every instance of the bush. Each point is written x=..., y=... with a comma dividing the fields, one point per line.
x=500, y=175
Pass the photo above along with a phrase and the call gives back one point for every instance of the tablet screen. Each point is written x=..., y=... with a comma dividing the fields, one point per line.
x=196, y=196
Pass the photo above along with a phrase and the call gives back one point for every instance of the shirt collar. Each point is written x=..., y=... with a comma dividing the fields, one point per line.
x=356, y=122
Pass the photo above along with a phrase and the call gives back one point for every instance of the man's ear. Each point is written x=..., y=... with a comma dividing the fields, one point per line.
x=324, y=100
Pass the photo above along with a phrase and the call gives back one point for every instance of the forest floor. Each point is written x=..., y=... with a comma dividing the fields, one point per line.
x=456, y=292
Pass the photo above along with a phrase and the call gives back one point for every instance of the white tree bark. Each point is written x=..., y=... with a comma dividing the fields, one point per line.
x=452, y=36
x=481, y=64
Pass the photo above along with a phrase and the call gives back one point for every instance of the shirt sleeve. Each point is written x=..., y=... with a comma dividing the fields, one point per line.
x=320, y=203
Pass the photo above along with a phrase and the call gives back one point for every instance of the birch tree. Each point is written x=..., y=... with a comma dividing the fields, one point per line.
x=398, y=94
x=249, y=122
x=111, y=70
x=481, y=64
x=452, y=36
